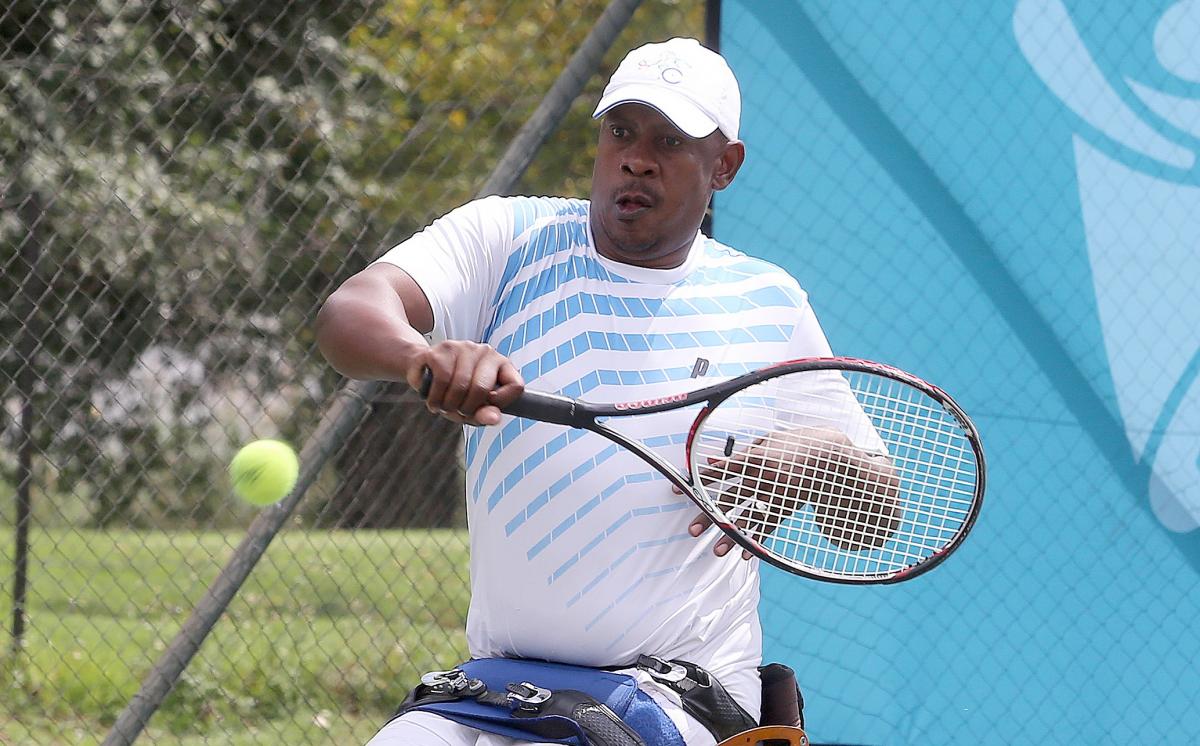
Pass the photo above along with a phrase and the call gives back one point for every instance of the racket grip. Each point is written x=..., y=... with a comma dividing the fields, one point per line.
x=552, y=408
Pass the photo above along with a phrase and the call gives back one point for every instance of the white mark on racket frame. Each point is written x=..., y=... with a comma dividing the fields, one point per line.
x=644, y=403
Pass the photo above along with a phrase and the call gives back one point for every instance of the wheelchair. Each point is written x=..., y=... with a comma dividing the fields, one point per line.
x=769, y=735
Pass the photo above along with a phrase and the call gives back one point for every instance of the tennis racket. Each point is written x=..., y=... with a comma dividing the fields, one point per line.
x=835, y=469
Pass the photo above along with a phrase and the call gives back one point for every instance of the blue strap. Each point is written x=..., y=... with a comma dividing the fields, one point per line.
x=618, y=691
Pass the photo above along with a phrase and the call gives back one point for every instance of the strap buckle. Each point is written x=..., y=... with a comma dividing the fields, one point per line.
x=445, y=682
x=528, y=697
x=665, y=671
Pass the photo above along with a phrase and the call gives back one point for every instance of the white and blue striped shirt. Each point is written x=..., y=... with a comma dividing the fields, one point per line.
x=579, y=550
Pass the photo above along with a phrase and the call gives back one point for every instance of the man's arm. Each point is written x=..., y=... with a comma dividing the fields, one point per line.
x=373, y=328
x=854, y=493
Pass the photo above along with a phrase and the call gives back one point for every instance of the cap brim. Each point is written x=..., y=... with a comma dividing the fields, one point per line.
x=684, y=114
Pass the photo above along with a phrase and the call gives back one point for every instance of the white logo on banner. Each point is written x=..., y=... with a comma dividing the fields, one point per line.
x=1143, y=239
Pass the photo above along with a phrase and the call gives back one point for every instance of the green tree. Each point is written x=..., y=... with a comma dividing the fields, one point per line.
x=187, y=181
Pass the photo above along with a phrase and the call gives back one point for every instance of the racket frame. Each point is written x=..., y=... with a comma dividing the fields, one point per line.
x=563, y=410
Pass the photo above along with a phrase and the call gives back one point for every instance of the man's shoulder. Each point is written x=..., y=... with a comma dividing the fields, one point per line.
x=521, y=218
x=730, y=264
x=528, y=209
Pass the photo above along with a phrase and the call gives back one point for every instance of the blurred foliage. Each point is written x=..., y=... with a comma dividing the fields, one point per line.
x=185, y=182
x=184, y=161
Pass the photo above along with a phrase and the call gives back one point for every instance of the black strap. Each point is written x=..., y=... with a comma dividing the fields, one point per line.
x=600, y=725
x=703, y=697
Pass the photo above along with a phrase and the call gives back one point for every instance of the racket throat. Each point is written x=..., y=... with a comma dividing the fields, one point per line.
x=661, y=465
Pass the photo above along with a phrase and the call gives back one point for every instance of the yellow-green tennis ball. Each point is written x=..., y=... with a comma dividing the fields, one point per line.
x=264, y=471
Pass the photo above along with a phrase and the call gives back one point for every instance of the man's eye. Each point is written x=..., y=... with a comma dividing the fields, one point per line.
x=619, y=131
x=673, y=142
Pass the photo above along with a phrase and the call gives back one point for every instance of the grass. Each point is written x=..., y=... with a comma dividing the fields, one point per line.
x=322, y=642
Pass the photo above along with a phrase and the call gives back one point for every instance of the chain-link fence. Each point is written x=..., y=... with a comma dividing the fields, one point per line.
x=183, y=184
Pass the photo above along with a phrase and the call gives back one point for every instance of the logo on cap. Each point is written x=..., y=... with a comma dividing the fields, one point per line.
x=668, y=66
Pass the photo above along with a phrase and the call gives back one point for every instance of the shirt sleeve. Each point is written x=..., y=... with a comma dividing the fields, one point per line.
x=458, y=263
x=808, y=338
x=838, y=408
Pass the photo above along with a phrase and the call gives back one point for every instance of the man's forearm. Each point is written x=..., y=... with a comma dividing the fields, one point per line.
x=365, y=335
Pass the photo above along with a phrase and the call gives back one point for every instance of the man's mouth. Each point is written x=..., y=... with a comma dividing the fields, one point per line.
x=633, y=203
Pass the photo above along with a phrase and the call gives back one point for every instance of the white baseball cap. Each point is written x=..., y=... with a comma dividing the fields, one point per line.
x=690, y=85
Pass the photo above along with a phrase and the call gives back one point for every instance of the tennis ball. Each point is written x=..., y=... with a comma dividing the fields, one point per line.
x=264, y=471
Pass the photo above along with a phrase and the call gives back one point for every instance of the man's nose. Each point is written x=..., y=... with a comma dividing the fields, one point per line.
x=636, y=162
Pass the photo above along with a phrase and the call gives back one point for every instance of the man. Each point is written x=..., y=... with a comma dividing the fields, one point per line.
x=579, y=553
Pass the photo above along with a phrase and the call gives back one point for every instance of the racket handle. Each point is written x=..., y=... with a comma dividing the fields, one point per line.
x=552, y=408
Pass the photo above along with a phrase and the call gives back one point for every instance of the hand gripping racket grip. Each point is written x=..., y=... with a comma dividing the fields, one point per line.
x=533, y=405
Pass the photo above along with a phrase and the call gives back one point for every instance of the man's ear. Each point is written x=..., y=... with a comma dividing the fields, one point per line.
x=729, y=161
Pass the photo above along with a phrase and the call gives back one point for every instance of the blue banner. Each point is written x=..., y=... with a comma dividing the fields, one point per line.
x=1002, y=197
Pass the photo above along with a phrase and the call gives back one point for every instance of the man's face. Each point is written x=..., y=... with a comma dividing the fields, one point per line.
x=651, y=184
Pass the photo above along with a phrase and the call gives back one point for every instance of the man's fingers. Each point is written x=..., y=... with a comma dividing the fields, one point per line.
x=474, y=378
x=757, y=515
x=441, y=368
x=736, y=497
x=724, y=468
x=455, y=396
x=509, y=385
x=465, y=382
x=487, y=415
x=508, y=374
x=480, y=386
x=719, y=469
x=506, y=394
x=724, y=544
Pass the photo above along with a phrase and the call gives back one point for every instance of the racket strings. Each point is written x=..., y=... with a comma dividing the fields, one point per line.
x=845, y=473
x=855, y=517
